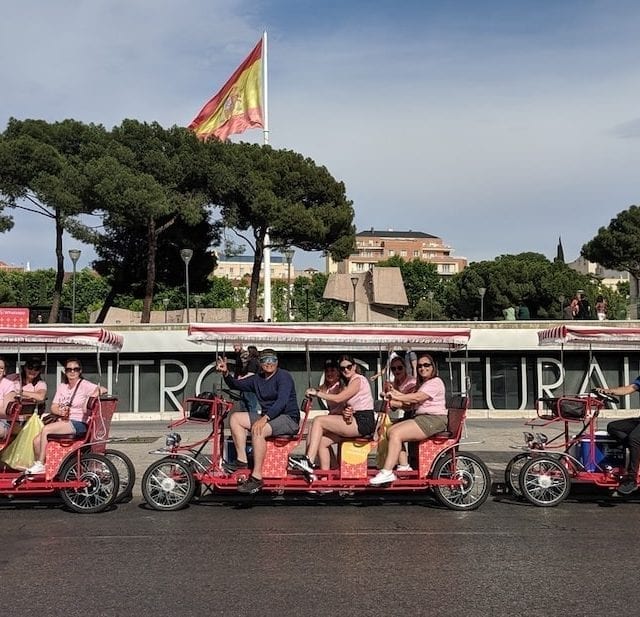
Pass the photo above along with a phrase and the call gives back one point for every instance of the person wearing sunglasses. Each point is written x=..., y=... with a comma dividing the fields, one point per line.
x=405, y=384
x=69, y=405
x=9, y=389
x=430, y=415
x=357, y=418
x=33, y=387
x=276, y=392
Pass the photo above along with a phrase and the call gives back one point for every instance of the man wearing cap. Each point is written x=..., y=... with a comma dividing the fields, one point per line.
x=276, y=393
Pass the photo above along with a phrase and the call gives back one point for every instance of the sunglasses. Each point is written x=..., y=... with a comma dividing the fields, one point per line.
x=346, y=367
x=398, y=368
x=268, y=359
x=72, y=369
x=424, y=364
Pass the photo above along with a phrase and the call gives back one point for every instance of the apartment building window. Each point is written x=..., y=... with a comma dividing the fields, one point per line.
x=416, y=253
x=403, y=253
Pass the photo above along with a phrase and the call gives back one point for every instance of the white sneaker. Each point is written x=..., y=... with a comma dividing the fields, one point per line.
x=36, y=468
x=384, y=476
x=404, y=468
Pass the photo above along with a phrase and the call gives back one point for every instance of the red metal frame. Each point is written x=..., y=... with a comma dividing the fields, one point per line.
x=60, y=447
x=353, y=472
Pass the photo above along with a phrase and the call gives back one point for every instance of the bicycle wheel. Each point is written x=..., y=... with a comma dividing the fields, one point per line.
x=168, y=484
x=101, y=478
x=544, y=481
x=126, y=473
x=512, y=472
x=475, y=477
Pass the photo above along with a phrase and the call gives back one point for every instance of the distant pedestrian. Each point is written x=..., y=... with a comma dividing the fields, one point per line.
x=601, y=308
x=523, y=312
x=509, y=313
x=584, y=308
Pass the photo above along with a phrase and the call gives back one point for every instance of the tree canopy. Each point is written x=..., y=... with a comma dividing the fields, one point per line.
x=289, y=197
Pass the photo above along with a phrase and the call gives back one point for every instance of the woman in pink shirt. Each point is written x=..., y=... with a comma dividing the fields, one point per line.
x=430, y=415
x=70, y=404
x=357, y=418
x=8, y=393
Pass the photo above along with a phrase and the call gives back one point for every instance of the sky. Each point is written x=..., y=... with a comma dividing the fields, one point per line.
x=499, y=126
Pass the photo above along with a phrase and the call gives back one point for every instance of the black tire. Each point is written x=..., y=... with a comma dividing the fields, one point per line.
x=126, y=473
x=512, y=473
x=168, y=484
x=102, y=480
x=476, y=481
x=545, y=481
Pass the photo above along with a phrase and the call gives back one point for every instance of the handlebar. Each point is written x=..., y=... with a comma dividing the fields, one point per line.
x=603, y=396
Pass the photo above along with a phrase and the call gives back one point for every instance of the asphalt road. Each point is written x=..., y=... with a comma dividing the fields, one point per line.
x=321, y=557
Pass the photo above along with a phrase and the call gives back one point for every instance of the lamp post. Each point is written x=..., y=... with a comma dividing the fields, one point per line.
x=354, y=283
x=165, y=301
x=430, y=296
x=288, y=255
x=482, y=291
x=306, y=306
x=561, y=299
x=196, y=301
x=74, y=254
x=186, y=255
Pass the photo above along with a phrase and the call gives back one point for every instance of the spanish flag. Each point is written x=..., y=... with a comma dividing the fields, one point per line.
x=238, y=106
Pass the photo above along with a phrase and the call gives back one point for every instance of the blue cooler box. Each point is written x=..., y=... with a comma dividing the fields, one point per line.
x=230, y=455
x=608, y=452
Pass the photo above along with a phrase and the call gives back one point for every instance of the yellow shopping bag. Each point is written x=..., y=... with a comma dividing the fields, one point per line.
x=19, y=454
x=383, y=444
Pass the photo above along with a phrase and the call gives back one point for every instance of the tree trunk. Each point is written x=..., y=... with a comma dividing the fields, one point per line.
x=255, y=277
x=152, y=248
x=106, y=305
x=57, y=288
x=634, y=285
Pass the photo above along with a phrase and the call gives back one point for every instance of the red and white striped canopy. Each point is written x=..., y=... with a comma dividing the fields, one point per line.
x=330, y=336
x=588, y=336
x=94, y=338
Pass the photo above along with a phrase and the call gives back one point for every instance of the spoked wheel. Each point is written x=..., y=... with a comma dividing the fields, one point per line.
x=126, y=473
x=512, y=472
x=475, y=477
x=544, y=481
x=168, y=484
x=101, y=478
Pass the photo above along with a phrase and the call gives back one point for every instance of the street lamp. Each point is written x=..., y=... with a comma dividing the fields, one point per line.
x=430, y=296
x=482, y=291
x=306, y=306
x=288, y=255
x=186, y=255
x=354, y=282
x=165, y=301
x=561, y=298
x=74, y=254
x=196, y=301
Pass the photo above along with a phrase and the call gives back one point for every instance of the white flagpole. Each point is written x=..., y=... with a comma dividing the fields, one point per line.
x=266, y=257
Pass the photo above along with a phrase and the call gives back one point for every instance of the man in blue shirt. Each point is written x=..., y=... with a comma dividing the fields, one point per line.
x=627, y=432
x=276, y=393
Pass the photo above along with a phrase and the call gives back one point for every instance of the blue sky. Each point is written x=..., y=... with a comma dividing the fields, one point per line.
x=498, y=126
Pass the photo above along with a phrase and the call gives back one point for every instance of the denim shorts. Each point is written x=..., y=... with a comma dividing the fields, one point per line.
x=80, y=428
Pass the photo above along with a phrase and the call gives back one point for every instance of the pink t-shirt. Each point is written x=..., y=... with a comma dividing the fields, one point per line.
x=362, y=400
x=41, y=386
x=436, y=404
x=8, y=386
x=332, y=406
x=78, y=410
x=407, y=386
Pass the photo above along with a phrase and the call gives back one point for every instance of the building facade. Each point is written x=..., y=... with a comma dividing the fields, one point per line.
x=241, y=266
x=374, y=246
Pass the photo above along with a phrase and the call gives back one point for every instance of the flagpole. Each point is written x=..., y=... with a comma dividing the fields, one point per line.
x=266, y=257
